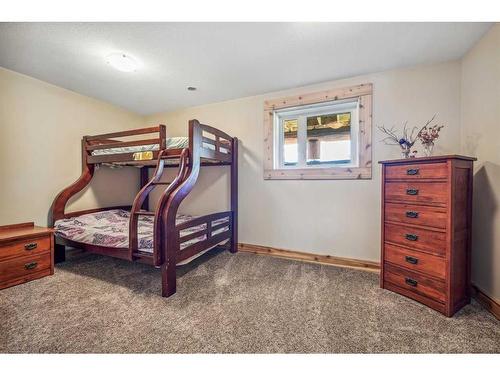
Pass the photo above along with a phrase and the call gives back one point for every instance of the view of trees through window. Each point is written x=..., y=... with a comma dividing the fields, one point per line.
x=328, y=139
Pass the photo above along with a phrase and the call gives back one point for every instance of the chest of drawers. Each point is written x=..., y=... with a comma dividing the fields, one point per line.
x=426, y=230
x=26, y=253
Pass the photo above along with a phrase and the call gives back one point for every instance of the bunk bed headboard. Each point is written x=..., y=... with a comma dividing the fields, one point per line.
x=215, y=144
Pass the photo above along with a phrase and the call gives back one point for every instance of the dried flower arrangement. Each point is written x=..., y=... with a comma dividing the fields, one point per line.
x=427, y=135
x=407, y=139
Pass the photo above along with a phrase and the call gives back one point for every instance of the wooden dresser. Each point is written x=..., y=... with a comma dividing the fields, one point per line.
x=26, y=253
x=426, y=230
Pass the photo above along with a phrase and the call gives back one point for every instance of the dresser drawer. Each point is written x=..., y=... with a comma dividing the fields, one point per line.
x=417, y=192
x=24, y=266
x=415, y=282
x=416, y=171
x=413, y=214
x=417, y=239
x=25, y=247
x=432, y=265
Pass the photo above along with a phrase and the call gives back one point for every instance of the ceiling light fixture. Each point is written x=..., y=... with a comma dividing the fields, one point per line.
x=122, y=62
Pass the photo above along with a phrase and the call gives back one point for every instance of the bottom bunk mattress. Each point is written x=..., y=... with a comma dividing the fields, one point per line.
x=111, y=229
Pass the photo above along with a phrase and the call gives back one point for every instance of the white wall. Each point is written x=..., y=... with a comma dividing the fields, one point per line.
x=481, y=138
x=41, y=127
x=340, y=218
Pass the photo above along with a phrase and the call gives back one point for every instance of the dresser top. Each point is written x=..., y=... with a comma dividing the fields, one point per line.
x=427, y=158
x=20, y=231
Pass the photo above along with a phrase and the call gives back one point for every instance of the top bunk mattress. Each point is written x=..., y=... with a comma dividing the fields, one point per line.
x=172, y=143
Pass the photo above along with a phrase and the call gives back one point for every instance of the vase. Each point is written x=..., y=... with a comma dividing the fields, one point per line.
x=405, y=152
x=428, y=147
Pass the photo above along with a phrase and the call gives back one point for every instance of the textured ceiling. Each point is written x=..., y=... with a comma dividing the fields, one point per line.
x=223, y=60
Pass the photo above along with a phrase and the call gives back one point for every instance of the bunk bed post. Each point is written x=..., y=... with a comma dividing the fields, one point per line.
x=165, y=232
x=234, y=196
x=144, y=179
x=163, y=136
x=59, y=253
x=59, y=204
x=171, y=243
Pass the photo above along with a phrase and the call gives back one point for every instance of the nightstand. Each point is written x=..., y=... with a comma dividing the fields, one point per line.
x=26, y=253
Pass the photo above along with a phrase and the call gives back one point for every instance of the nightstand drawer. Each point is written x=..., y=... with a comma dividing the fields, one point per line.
x=417, y=192
x=419, y=239
x=416, y=261
x=24, y=266
x=415, y=282
x=417, y=171
x=428, y=216
x=32, y=246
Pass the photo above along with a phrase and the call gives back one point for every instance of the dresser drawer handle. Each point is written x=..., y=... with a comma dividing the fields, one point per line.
x=411, y=260
x=30, y=246
x=412, y=214
x=411, y=282
x=412, y=171
x=412, y=191
x=31, y=265
x=411, y=237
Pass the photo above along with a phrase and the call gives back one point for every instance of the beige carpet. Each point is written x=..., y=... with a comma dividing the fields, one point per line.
x=228, y=303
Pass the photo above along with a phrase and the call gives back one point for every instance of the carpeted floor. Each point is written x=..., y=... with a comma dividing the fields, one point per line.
x=231, y=304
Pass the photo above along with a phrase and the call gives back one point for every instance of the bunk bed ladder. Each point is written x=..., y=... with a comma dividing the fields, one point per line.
x=140, y=205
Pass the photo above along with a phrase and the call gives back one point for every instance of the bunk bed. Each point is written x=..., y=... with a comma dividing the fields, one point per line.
x=161, y=237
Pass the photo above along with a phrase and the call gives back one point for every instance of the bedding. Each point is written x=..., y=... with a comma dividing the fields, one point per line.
x=173, y=142
x=110, y=228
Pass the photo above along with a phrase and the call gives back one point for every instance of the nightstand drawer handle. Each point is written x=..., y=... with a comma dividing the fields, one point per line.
x=411, y=282
x=411, y=237
x=412, y=214
x=412, y=191
x=412, y=171
x=411, y=260
x=30, y=246
x=31, y=265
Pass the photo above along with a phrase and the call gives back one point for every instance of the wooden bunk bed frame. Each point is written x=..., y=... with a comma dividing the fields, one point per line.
x=222, y=150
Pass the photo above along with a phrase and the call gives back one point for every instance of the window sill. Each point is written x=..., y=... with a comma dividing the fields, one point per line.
x=333, y=173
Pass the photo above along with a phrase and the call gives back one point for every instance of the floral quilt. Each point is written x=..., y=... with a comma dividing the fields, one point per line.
x=110, y=228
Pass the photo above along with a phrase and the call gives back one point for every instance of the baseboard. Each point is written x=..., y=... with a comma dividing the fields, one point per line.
x=313, y=258
x=489, y=303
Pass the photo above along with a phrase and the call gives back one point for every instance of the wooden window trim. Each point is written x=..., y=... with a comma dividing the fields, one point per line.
x=361, y=92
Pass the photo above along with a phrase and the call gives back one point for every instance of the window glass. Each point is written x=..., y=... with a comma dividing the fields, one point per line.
x=290, y=143
x=317, y=136
x=329, y=139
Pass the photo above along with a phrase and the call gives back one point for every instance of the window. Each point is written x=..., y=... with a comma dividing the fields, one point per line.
x=323, y=135
x=317, y=136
